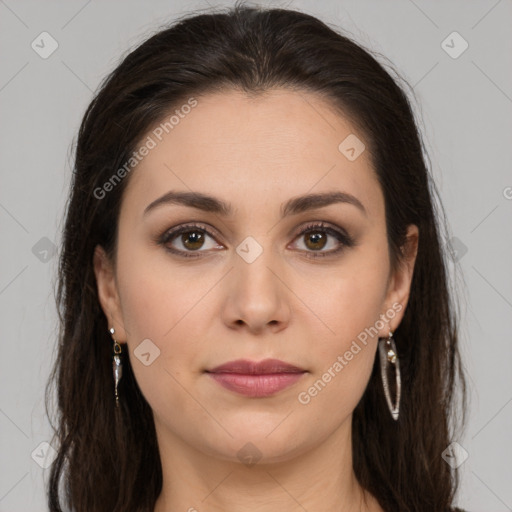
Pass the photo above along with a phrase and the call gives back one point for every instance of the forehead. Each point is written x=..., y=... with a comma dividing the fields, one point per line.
x=270, y=147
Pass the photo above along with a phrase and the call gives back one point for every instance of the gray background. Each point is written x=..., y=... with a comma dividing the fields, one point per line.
x=465, y=105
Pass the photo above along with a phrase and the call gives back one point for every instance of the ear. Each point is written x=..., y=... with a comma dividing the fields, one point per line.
x=400, y=281
x=108, y=293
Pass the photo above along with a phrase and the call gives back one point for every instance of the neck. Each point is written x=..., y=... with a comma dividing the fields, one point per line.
x=315, y=478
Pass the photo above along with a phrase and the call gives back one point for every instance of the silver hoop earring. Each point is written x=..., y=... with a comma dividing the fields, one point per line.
x=117, y=365
x=389, y=358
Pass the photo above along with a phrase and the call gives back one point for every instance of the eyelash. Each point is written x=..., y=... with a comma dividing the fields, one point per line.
x=344, y=239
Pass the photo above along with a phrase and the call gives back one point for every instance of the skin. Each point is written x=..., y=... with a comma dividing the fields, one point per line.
x=255, y=153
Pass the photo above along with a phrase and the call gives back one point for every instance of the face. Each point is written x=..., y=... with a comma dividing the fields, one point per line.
x=272, y=277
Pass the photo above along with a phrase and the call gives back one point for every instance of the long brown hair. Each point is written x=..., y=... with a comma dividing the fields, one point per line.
x=108, y=458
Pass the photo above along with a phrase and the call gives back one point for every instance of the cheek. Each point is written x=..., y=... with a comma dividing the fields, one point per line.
x=345, y=352
x=157, y=296
x=162, y=340
x=347, y=300
x=147, y=311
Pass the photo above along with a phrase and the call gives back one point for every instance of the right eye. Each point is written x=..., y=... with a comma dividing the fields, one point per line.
x=188, y=238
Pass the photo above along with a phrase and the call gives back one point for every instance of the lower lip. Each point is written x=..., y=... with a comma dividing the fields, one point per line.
x=257, y=386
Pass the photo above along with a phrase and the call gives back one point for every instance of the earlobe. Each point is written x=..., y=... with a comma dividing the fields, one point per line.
x=107, y=292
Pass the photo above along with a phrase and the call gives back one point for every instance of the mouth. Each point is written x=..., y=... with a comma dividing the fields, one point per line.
x=256, y=379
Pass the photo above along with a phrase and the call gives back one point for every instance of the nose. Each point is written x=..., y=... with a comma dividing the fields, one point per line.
x=257, y=298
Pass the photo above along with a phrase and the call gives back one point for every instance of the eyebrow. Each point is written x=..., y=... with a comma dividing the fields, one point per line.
x=293, y=206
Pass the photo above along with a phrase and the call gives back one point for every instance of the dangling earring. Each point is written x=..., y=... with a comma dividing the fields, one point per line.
x=117, y=365
x=388, y=356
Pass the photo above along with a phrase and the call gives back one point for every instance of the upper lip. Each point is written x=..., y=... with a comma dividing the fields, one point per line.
x=246, y=367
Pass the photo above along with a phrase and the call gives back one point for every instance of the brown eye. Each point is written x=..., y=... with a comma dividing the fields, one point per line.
x=315, y=240
x=189, y=239
x=317, y=237
x=192, y=240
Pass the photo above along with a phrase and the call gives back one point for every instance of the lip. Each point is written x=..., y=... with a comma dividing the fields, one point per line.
x=264, y=367
x=256, y=379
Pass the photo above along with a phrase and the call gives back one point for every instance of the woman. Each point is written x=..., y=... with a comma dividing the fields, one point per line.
x=253, y=294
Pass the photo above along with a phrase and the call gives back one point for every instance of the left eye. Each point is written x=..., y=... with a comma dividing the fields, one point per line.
x=316, y=238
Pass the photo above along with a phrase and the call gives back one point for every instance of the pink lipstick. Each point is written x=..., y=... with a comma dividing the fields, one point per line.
x=256, y=379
